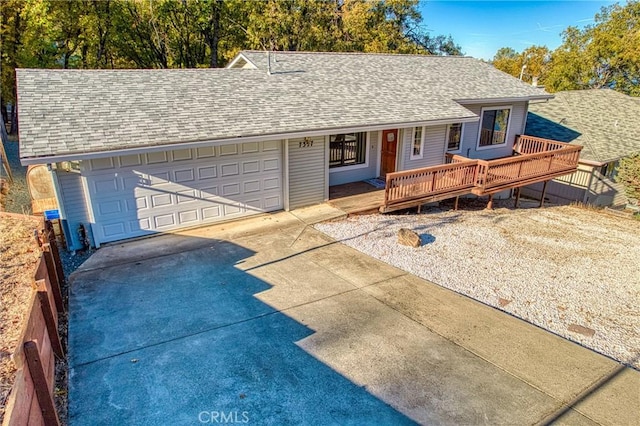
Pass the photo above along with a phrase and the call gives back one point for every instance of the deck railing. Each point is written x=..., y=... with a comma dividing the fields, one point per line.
x=532, y=145
x=430, y=181
x=508, y=172
x=536, y=160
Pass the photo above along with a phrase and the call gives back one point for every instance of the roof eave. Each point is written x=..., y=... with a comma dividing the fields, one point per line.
x=504, y=100
x=49, y=159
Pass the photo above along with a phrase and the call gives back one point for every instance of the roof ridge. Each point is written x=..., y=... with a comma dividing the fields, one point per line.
x=307, y=52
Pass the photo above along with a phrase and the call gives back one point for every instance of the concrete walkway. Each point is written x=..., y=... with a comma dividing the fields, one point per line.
x=268, y=321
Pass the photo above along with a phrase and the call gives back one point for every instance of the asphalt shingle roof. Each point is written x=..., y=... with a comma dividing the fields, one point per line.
x=605, y=122
x=84, y=111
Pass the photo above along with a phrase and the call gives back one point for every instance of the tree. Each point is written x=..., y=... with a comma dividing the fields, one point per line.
x=199, y=33
x=531, y=64
x=628, y=173
x=606, y=54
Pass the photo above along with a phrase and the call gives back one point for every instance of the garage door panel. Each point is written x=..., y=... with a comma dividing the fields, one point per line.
x=110, y=207
x=130, y=160
x=270, y=164
x=226, y=150
x=250, y=166
x=159, y=178
x=184, y=175
x=250, y=186
x=250, y=147
x=188, y=217
x=212, y=212
x=207, y=172
x=156, y=192
x=229, y=170
x=188, y=196
x=271, y=183
x=157, y=157
x=206, y=152
x=182, y=155
x=272, y=202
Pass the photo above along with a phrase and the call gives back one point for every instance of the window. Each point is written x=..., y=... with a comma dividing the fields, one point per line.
x=493, y=129
x=416, y=151
x=347, y=149
x=454, y=137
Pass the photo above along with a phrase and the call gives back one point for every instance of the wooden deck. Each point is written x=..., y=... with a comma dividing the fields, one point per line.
x=535, y=160
x=356, y=197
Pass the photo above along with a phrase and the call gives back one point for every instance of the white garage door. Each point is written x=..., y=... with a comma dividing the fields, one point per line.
x=142, y=194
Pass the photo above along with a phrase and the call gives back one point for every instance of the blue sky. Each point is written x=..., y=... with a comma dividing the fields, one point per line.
x=482, y=27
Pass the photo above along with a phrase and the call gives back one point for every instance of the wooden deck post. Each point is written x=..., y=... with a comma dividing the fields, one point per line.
x=517, y=196
x=544, y=192
x=455, y=205
x=43, y=393
x=490, y=202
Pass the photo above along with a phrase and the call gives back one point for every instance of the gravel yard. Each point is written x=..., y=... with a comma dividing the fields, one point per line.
x=570, y=270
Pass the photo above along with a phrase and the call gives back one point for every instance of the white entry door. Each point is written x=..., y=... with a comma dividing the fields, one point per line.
x=150, y=193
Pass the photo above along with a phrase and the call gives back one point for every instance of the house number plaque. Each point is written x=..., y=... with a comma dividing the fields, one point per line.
x=306, y=143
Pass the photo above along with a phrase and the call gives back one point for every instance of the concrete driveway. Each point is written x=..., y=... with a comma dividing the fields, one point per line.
x=268, y=321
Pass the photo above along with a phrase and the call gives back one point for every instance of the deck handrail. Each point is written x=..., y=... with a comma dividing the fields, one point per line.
x=526, y=144
x=504, y=171
x=429, y=181
x=538, y=159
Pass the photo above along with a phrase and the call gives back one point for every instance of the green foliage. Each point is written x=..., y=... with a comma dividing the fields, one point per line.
x=532, y=63
x=628, y=173
x=605, y=54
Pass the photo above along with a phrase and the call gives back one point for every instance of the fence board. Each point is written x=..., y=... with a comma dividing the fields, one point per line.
x=31, y=397
x=40, y=382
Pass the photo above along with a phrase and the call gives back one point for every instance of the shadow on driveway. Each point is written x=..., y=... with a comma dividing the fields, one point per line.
x=182, y=339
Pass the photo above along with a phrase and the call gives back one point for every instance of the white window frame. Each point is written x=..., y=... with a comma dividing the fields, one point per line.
x=506, y=137
x=355, y=166
x=413, y=140
x=446, y=140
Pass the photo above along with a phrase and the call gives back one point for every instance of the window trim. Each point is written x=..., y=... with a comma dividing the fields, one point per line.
x=355, y=166
x=419, y=156
x=446, y=140
x=506, y=138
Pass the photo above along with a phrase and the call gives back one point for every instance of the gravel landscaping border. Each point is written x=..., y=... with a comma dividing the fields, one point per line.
x=573, y=271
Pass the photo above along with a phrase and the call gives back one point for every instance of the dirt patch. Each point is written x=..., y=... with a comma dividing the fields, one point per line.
x=18, y=256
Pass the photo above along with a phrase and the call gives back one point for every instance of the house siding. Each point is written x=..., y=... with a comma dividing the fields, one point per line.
x=432, y=149
x=580, y=186
x=74, y=205
x=470, y=137
x=307, y=171
x=337, y=177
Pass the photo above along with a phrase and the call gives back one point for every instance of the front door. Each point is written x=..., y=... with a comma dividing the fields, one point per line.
x=389, y=150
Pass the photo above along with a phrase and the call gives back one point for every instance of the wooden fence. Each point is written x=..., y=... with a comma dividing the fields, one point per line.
x=31, y=400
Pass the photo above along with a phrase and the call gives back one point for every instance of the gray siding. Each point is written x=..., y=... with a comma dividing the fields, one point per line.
x=603, y=191
x=339, y=177
x=307, y=168
x=74, y=205
x=433, y=148
x=470, y=136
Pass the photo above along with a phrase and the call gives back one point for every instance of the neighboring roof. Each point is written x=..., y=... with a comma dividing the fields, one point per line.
x=67, y=112
x=606, y=123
